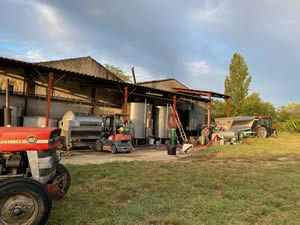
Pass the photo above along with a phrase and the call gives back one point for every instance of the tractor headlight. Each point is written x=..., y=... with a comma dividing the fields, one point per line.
x=58, y=156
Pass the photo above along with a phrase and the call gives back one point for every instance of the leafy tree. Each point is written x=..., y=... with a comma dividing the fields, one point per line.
x=218, y=109
x=254, y=106
x=237, y=83
x=289, y=112
x=118, y=72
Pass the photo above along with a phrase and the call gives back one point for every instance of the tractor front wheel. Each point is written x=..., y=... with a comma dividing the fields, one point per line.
x=62, y=170
x=113, y=149
x=262, y=132
x=24, y=202
x=99, y=146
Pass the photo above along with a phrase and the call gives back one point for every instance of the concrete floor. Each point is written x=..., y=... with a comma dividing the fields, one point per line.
x=81, y=157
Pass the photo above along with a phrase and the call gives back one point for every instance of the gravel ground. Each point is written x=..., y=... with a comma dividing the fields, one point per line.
x=81, y=157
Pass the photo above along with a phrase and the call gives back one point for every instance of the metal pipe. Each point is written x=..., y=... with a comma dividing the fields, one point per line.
x=49, y=98
x=7, y=94
x=125, y=103
x=174, y=109
x=133, y=74
x=7, y=115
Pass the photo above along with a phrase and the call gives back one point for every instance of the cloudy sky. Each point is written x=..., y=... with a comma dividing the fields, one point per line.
x=192, y=41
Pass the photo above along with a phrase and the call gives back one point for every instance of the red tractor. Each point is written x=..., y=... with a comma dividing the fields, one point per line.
x=30, y=174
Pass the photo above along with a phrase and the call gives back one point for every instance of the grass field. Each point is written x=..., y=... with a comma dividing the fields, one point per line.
x=245, y=184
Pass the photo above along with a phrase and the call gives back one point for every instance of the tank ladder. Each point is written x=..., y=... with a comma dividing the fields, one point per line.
x=180, y=128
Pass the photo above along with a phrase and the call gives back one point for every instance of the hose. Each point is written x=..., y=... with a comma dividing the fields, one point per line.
x=204, y=146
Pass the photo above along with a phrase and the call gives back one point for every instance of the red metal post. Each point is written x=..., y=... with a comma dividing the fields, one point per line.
x=228, y=106
x=49, y=98
x=209, y=110
x=125, y=103
x=174, y=110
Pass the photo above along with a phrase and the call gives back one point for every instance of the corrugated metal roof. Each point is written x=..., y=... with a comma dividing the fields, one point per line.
x=161, y=80
x=43, y=68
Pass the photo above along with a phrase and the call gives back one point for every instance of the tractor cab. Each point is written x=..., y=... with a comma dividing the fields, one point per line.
x=263, y=126
x=116, y=135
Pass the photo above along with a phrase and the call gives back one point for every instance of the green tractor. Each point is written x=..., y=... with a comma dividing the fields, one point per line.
x=263, y=127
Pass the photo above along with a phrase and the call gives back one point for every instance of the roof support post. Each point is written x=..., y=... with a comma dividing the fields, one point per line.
x=174, y=110
x=209, y=111
x=125, y=103
x=7, y=113
x=228, y=106
x=49, y=98
x=93, y=100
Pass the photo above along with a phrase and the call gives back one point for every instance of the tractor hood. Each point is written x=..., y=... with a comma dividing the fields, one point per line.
x=28, y=138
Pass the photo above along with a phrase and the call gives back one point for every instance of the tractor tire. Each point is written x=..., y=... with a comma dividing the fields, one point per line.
x=113, y=149
x=99, y=146
x=24, y=201
x=60, y=170
x=262, y=132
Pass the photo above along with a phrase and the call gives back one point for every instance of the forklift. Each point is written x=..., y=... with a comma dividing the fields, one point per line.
x=115, y=135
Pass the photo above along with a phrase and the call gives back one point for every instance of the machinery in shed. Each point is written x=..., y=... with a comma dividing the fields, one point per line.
x=79, y=130
x=116, y=136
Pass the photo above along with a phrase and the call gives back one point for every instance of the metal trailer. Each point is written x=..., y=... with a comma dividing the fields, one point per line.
x=260, y=126
x=80, y=130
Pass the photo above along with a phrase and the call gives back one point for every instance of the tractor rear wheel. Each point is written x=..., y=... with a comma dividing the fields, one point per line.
x=262, y=132
x=113, y=149
x=24, y=202
x=62, y=170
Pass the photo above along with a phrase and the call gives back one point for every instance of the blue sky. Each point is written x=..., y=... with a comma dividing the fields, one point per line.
x=192, y=41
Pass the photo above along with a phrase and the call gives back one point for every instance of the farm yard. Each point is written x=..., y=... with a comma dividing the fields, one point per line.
x=237, y=184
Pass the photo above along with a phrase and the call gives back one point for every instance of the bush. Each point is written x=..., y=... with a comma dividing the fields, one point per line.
x=289, y=126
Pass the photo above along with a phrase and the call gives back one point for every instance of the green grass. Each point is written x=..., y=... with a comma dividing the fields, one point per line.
x=195, y=190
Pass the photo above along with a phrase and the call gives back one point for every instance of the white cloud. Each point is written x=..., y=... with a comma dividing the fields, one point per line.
x=51, y=19
x=33, y=55
x=196, y=68
x=207, y=13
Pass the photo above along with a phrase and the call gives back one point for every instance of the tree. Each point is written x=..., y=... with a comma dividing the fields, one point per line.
x=237, y=83
x=118, y=72
x=254, y=106
x=291, y=111
x=218, y=109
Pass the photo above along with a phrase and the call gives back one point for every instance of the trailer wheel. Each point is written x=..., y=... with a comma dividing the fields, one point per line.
x=113, y=149
x=24, y=202
x=62, y=170
x=99, y=146
x=262, y=132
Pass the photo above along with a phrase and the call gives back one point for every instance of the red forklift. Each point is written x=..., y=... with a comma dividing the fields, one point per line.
x=116, y=135
x=30, y=174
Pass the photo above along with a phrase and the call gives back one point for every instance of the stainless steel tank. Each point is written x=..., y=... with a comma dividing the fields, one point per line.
x=80, y=130
x=161, y=121
x=141, y=116
x=38, y=121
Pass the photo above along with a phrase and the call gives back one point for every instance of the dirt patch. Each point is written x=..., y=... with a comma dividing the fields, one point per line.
x=78, y=157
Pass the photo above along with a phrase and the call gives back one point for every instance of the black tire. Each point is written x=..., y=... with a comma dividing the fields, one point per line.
x=99, y=146
x=113, y=149
x=129, y=150
x=60, y=170
x=24, y=201
x=262, y=132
